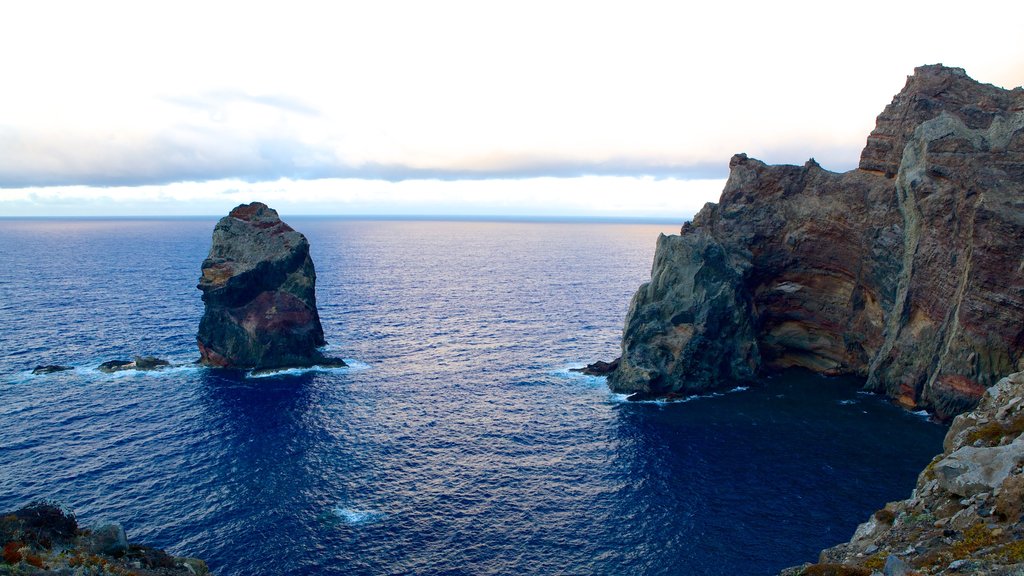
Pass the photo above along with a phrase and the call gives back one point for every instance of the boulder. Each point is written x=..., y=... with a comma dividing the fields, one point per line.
x=105, y=540
x=259, y=291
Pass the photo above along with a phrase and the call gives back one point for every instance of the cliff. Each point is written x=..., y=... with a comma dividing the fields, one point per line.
x=965, y=514
x=259, y=291
x=908, y=271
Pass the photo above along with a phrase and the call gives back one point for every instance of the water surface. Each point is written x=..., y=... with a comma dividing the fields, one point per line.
x=457, y=443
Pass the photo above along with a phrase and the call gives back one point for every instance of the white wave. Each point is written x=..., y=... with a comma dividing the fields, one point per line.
x=847, y=402
x=355, y=517
x=624, y=398
x=352, y=366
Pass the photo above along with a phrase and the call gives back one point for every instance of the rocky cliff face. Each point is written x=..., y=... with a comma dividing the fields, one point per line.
x=258, y=286
x=908, y=271
x=964, y=516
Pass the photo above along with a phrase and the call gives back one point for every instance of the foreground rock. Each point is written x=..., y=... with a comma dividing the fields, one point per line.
x=258, y=286
x=906, y=271
x=965, y=515
x=42, y=538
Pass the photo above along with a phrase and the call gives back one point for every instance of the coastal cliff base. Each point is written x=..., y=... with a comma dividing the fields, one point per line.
x=966, y=514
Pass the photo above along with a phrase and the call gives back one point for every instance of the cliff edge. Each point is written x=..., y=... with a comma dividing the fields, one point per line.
x=259, y=291
x=908, y=271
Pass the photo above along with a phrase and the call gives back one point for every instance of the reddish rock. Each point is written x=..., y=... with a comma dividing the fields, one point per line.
x=259, y=287
x=906, y=271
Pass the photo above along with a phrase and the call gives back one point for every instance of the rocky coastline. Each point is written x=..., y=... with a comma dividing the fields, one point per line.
x=43, y=538
x=906, y=271
x=966, y=513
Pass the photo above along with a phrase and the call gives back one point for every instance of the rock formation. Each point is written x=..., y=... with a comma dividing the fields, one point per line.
x=966, y=515
x=258, y=286
x=42, y=538
x=908, y=271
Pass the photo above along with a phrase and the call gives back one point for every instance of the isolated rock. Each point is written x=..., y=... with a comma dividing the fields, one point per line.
x=50, y=369
x=905, y=271
x=258, y=286
x=139, y=363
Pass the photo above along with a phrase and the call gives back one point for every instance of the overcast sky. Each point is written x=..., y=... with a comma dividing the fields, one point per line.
x=438, y=107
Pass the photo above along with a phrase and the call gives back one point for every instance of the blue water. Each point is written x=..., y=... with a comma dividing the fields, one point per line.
x=457, y=443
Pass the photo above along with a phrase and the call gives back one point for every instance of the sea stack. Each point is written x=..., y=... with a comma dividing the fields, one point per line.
x=259, y=288
x=907, y=271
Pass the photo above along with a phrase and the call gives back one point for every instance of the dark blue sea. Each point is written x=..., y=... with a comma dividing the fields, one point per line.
x=457, y=442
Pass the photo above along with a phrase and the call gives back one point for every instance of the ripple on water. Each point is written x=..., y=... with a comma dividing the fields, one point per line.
x=464, y=450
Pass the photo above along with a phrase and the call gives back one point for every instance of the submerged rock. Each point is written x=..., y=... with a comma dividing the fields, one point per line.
x=50, y=369
x=139, y=363
x=906, y=271
x=258, y=286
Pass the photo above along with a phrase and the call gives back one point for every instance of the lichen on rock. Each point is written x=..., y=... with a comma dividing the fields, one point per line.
x=259, y=291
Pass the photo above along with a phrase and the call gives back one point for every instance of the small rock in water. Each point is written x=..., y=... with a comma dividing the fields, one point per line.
x=150, y=363
x=50, y=369
x=599, y=368
x=115, y=365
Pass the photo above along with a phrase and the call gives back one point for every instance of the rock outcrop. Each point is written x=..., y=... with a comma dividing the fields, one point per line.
x=42, y=538
x=258, y=286
x=908, y=271
x=966, y=515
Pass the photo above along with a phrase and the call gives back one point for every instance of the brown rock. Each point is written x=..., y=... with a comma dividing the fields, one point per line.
x=259, y=288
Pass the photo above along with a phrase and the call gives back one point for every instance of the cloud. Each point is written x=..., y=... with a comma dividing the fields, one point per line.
x=669, y=199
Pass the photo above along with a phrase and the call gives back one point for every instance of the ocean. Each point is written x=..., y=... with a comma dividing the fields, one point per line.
x=456, y=443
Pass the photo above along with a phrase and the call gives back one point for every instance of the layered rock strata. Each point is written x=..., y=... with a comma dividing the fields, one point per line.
x=908, y=271
x=966, y=514
x=259, y=289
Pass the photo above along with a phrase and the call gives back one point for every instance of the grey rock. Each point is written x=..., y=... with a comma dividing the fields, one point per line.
x=895, y=566
x=108, y=539
x=970, y=470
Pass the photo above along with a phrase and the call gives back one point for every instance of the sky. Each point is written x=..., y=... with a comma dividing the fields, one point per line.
x=553, y=108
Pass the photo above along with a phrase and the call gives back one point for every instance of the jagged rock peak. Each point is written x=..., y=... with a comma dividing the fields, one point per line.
x=931, y=90
x=259, y=288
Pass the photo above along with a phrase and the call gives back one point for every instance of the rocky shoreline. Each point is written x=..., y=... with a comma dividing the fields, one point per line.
x=905, y=271
x=966, y=513
x=42, y=538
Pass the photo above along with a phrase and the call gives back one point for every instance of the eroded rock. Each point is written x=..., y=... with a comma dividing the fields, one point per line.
x=906, y=271
x=259, y=290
